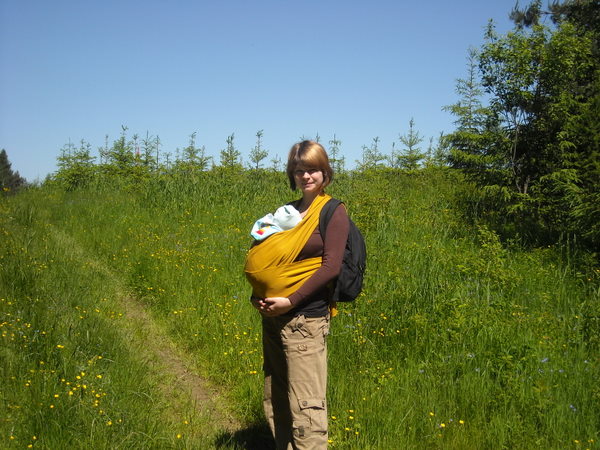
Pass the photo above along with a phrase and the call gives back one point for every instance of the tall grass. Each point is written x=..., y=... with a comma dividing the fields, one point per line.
x=74, y=372
x=456, y=342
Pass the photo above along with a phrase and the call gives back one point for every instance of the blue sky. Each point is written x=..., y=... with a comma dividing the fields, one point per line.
x=81, y=69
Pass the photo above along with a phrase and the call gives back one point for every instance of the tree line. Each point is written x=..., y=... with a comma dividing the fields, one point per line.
x=129, y=156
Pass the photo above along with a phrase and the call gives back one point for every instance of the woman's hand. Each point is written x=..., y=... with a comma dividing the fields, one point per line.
x=258, y=303
x=275, y=306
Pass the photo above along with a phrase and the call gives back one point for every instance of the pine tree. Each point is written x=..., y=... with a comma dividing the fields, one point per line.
x=10, y=181
x=372, y=158
x=121, y=156
x=230, y=156
x=472, y=146
x=411, y=156
x=148, y=150
x=75, y=165
x=258, y=153
x=276, y=163
x=394, y=157
x=336, y=159
x=195, y=158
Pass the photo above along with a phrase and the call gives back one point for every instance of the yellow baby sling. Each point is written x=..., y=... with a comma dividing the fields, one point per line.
x=271, y=266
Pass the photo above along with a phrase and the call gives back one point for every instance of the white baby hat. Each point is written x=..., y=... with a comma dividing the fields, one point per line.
x=286, y=217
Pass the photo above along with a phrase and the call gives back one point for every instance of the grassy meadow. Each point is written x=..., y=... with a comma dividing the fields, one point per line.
x=457, y=342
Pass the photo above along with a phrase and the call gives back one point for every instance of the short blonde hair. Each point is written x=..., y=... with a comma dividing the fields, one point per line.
x=312, y=155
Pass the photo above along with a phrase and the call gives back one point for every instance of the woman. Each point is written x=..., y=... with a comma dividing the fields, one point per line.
x=290, y=273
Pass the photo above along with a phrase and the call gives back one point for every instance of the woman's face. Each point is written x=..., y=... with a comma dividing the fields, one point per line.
x=310, y=181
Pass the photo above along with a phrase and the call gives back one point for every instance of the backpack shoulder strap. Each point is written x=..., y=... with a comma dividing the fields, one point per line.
x=326, y=214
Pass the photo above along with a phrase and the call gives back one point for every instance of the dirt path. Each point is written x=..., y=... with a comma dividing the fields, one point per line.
x=181, y=384
x=183, y=390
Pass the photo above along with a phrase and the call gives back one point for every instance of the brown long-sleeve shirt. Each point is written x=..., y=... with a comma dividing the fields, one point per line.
x=312, y=299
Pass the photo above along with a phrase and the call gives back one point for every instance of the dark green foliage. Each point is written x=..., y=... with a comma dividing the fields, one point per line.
x=10, y=181
x=580, y=142
x=437, y=154
x=583, y=12
x=533, y=152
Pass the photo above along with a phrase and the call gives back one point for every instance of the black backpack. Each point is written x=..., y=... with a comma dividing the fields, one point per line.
x=349, y=282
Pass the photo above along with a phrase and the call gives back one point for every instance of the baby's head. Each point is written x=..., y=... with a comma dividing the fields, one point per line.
x=286, y=217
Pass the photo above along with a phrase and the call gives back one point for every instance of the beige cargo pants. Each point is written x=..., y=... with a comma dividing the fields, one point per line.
x=295, y=366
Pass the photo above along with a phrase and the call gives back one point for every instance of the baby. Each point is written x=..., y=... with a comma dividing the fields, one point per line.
x=285, y=218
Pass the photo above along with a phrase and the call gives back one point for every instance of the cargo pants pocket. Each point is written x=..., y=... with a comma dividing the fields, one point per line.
x=313, y=418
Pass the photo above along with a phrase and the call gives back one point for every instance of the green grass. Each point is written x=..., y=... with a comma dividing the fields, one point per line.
x=456, y=342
